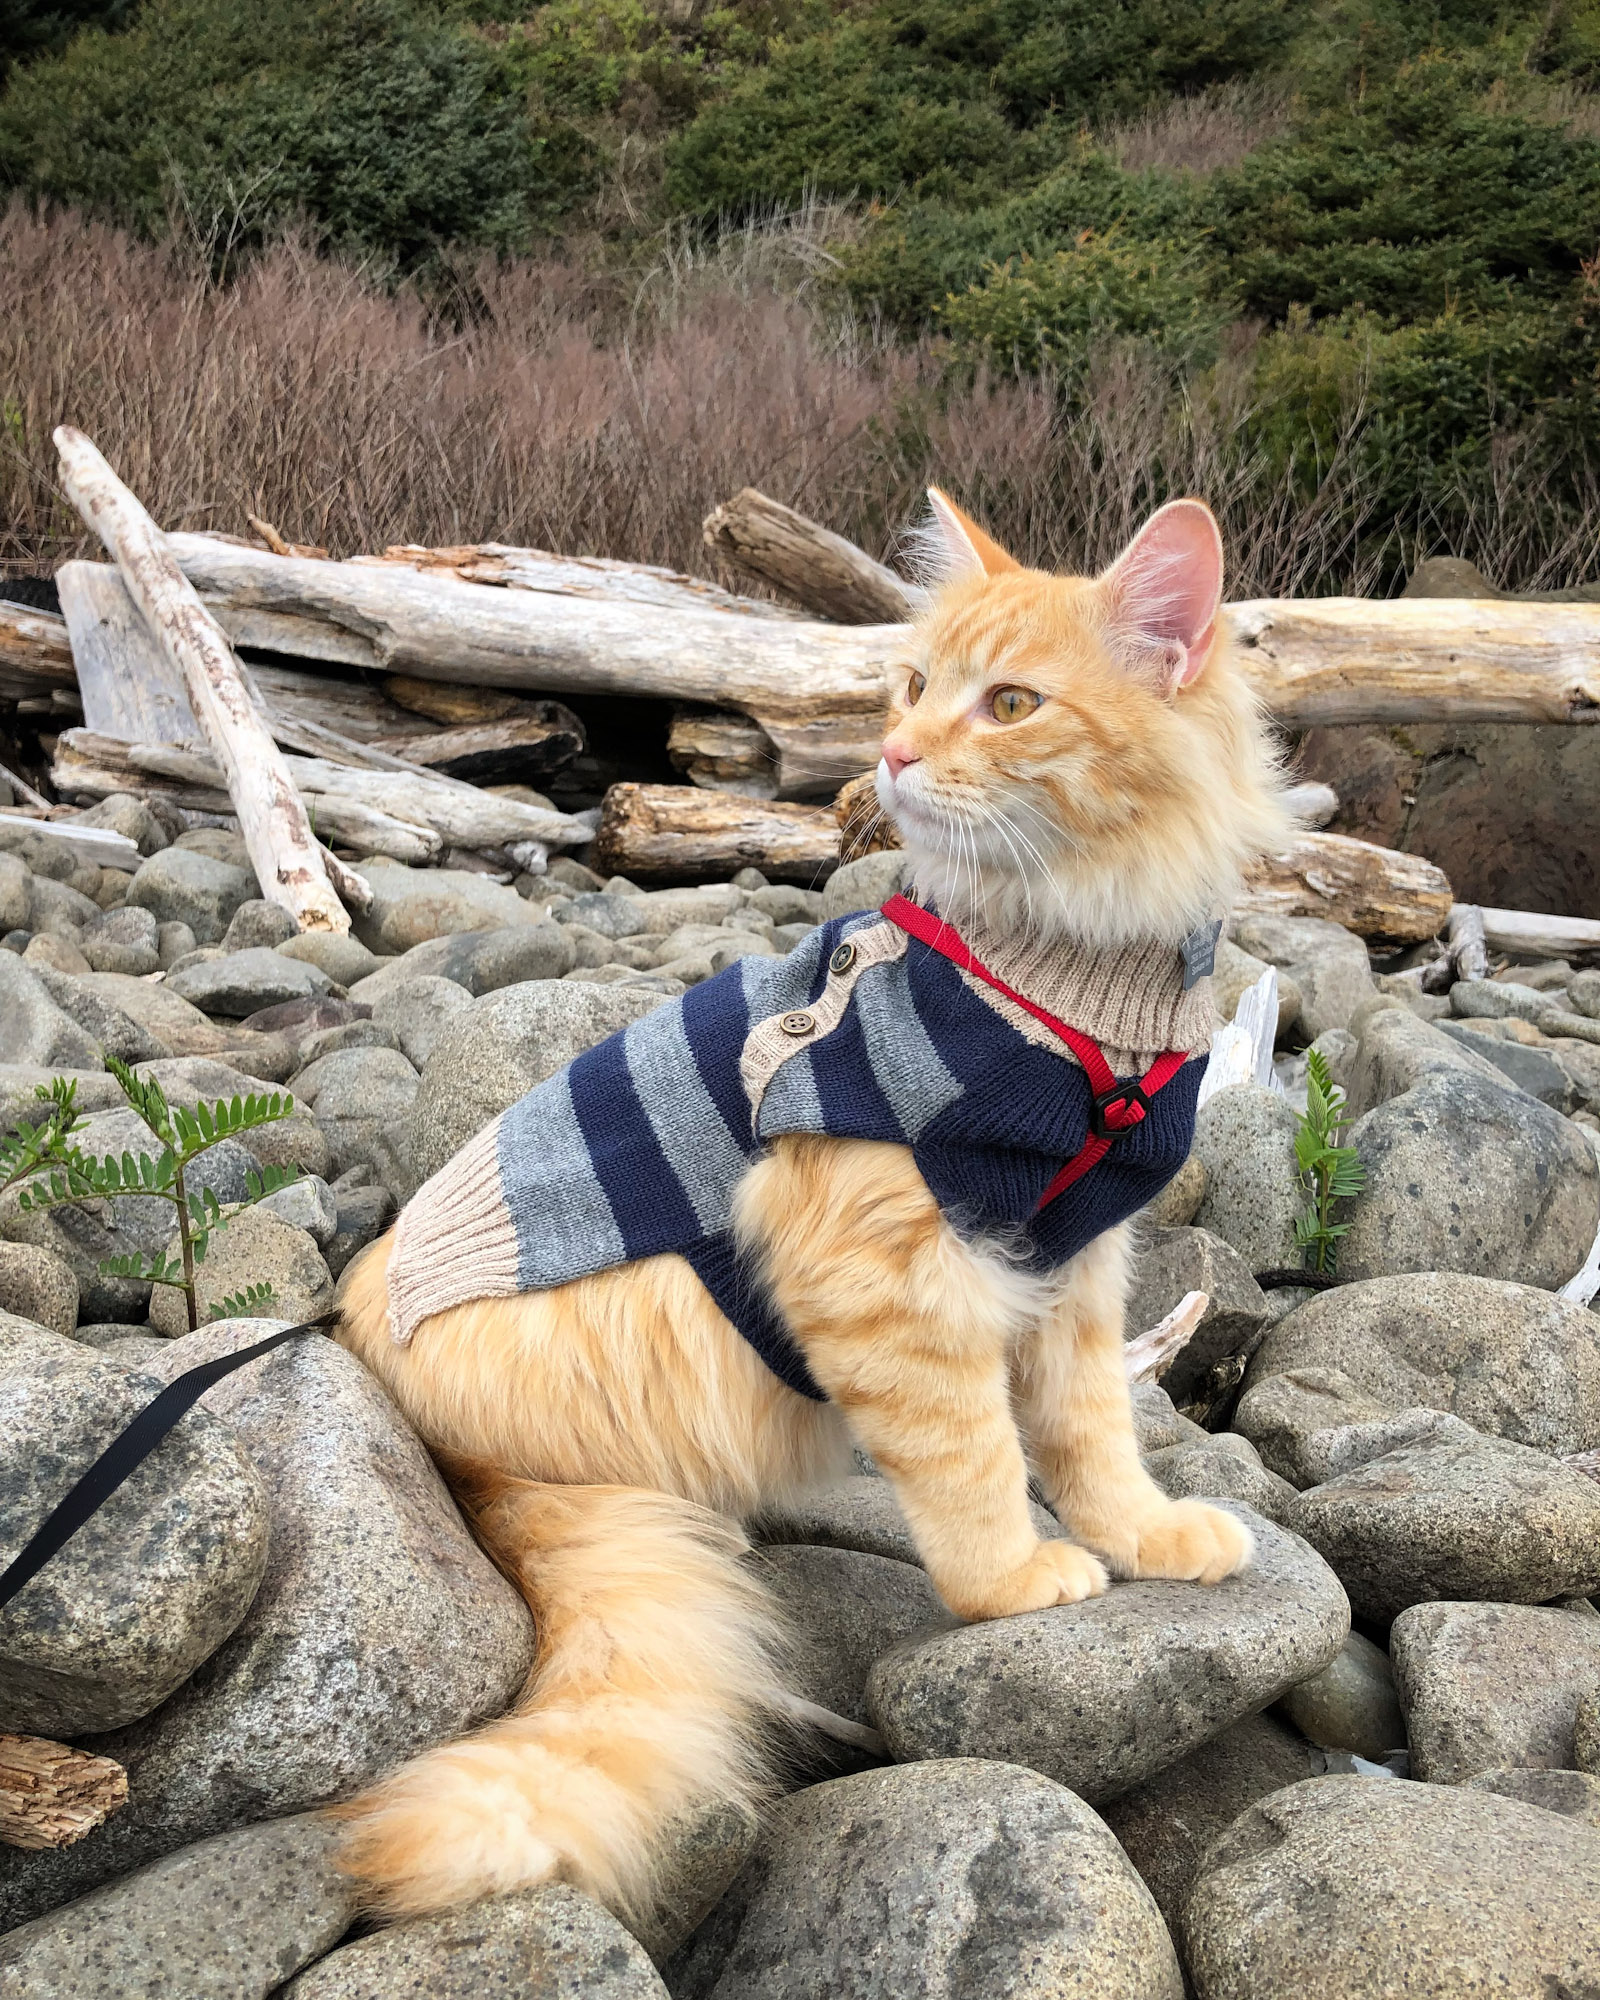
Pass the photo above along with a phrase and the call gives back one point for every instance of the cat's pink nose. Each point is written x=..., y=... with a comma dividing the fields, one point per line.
x=897, y=756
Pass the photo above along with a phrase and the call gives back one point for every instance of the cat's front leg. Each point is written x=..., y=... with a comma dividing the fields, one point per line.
x=1078, y=1418
x=909, y=1333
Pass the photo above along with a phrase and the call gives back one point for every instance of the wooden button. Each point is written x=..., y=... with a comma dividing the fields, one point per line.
x=842, y=959
x=797, y=1024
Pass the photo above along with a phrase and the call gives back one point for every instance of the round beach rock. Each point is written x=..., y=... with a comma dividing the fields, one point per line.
x=1104, y=1694
x=1369, y=1889
x=947, y=1881
x=153, y=1582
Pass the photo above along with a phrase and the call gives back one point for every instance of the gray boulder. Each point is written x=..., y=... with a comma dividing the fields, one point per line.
x=1327, y=963
x=1103, y=1694
x=259, y=923
x=1449, y=1514
x=230, y=1918
x=309, y=1204
x=1174, y=1207
x=129, y=816
x=248, y=980
x=701, y=1853
x=1395, y=1051
x=866, y=884
x=37, y=1285
x=539, y=1944
x=417, y=1011
x=508, y=957
x=609, y=917
x=1532, y=1070
x=1490, y=1684
x=1351, y=1705
x=256, y=1248
x=33, y=1029
x=1170, y=1262
x=173, y=941
x=154, y=1582
x=498, y=1050
x=1511, y=1360
x=357, y=1083
x=1292, y=1419
x=344, y=959
x=1244, y=1137
x=123, y=940
x=846, y=1610
x=293, y=1141
x=411, y=905
x=1370, y=1889
x=58, y=909
x=182, y=886
x=944, y=1880
x=379, y=1629
x=20, y=1084
x=362, y=1213
x=16, y=894
x=115, y=1032
x=173, y=1021
x=1463, y=1175
x=1573, y=1794
x=1225, y=1467
x=1166, y=1824
x=863, y=1514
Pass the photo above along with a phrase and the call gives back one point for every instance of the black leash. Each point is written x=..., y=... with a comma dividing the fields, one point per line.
x=129, y=1449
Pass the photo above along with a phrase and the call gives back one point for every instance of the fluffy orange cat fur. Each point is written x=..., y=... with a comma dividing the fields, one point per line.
x=609, y=1437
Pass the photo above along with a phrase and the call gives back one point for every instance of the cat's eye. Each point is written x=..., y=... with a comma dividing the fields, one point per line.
x=914, y=688
x=1012, y=704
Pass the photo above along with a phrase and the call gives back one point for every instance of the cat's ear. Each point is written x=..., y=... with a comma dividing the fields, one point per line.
x=955, y=546
x=1166, y=590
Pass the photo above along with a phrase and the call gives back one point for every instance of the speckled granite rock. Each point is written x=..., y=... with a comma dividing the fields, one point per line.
x=153, y=1582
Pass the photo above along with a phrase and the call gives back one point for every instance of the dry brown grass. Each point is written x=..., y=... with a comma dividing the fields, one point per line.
x=550, y=408
x=1200, y=133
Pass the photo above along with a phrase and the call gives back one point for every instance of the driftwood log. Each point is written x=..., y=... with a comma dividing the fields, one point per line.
x=817, y=568
x=51, y=1795
x=1534, y=936
x=522, y=746
x=35, y=653
x=724, y=751
x=578, y=576
x=272, y=820
x=678, y=833
x=1376, y=892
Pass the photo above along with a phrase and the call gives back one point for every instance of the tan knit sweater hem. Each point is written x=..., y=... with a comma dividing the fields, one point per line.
x=459, y=1242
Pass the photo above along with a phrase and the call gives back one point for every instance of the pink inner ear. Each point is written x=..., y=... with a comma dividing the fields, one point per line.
x=1168, y=585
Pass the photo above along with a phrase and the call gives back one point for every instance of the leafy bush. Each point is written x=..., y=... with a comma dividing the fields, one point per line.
x=387, y=127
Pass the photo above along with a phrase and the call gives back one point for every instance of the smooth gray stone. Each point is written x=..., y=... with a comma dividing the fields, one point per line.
x=700, y=1855
x=230, y=1918
x=181, y=886
x=862, y=1513
x=1465, y=1175
x=246, y=981
x=126, y=939
x=1102, y=1695
x=608, y=916
x=1490, y=1684
x=357, y=1083
x=966, y=1880
x=418, y=1011
x=1245, y=1137
x=1368, y=1889
x=34, y=1030
x=1327, y=963
x=1573, y=1794
x=1218, y=1470
x=154, y=1581
x=258, y=923
x=500, y=1048
x=1514, y=1361
x=1169, y=1263
x=846, y=1610
x=539, y=1944
x=256, y=1248
x=1450, y=1514
x=16, y=897
x=1529, y=1069
x=412, y=905
x=866, y=884
x=129, y=816
x=344, y=959
x=37, y=1285
x=116, y=1032
x=380, y=1628
x=307, y=1203
x=508, y=957
x=1351, y=1705
x=1166, y=1824
x=1292, y=1419
x=1395, y=1051
x=1497, y=1000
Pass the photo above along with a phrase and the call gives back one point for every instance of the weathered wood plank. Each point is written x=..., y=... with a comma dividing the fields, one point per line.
x=129, y=685
x=680, y=833
x=817, y=568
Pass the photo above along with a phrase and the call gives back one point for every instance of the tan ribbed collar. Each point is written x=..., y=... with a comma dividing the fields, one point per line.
x=1130, y=998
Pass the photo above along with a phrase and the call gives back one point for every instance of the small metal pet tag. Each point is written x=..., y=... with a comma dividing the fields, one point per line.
x=1199, y=950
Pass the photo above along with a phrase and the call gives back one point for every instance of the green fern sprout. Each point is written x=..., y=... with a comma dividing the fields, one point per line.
x=73, y=1176
x=241, y=1305
x=1329, y=1172
x=29, y=1148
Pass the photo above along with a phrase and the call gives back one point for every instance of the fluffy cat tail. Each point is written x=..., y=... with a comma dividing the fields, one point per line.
x=658, y=1661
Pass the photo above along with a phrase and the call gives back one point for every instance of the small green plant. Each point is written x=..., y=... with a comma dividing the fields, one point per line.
x=1329, y=1172
x=73, y=1176
x=29, y=1147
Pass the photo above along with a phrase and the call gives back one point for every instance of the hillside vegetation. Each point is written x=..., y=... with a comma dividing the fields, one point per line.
x=1338, y=258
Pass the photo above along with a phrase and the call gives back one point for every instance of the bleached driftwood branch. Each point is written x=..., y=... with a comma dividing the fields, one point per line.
x=817, y=568
x=1469, y=953
x=1149, y=1355
x=272, y=820
x=1534, y=935
x=665, y=833
x=1375, y=891
x=1241, y=1050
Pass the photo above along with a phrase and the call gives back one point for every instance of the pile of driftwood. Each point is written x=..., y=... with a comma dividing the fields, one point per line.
x=425, y=704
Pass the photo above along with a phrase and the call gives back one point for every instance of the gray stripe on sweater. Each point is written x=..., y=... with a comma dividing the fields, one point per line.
x=791, y=1103
x=700, y=1149
x=572, y=1236
x=904, y=1060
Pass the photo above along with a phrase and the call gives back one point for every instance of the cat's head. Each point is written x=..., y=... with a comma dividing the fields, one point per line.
x=1078, y=755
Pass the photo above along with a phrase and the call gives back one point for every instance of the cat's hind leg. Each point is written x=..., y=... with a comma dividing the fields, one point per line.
x=1077, y=1415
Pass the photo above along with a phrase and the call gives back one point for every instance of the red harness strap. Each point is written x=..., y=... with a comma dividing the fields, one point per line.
x=1117, y=1107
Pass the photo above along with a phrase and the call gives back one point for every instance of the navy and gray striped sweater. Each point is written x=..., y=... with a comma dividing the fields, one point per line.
x=637, y=1146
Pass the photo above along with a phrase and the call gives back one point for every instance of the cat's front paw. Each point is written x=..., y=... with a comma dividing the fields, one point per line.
x=1186, y=1540
x=1056, y=1573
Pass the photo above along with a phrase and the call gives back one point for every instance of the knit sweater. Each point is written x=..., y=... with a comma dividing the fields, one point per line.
x=637, y=1146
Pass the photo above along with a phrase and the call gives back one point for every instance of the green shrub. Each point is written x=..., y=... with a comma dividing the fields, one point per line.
x=385, y=126
x=30, y=28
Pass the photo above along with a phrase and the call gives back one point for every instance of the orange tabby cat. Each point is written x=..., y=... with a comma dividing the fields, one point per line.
x=1079, y=773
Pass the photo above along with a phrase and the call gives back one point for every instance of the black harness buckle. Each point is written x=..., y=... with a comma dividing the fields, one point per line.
x=1130, y=1095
